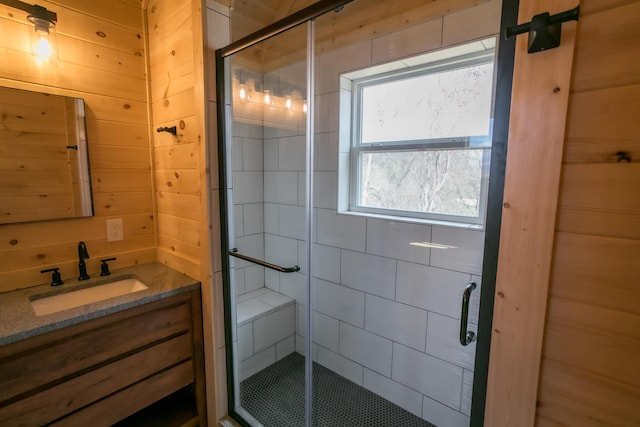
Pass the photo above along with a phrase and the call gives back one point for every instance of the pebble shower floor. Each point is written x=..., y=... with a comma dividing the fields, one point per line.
x=275, y=397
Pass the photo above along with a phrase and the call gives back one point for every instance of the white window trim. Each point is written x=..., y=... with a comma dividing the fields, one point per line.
x=350, y=146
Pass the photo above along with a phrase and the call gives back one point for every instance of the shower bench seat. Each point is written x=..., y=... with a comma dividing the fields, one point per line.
x=266, y=329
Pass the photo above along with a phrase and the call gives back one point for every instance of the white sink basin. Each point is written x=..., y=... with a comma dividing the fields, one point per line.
x=65, y=301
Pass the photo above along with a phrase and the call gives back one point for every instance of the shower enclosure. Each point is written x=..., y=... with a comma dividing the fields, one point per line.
x=348, y=299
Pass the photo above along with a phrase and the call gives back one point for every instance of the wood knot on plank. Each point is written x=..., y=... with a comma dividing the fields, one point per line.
x=623, y=156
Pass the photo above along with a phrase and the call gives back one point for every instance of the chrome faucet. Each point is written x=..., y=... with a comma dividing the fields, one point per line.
x=82, y=255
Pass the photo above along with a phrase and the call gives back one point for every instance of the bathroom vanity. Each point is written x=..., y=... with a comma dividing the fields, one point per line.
x=105, y=362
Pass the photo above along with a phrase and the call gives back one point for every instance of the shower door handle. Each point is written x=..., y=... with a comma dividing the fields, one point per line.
x=466, y=337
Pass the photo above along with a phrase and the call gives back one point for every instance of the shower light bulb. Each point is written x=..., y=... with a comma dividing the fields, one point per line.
x=304, y=107
x=242, y=92
x=288, y=103
x=267, y=97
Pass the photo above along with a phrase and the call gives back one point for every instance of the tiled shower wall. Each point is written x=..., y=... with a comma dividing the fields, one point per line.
x=386, y=313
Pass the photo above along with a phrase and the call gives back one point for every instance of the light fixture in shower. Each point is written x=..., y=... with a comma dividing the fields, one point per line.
x=42, y=37
x=242, y=88
x=252, y=88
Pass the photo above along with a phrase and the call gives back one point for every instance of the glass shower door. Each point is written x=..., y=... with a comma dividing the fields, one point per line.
x=266, y=172
x=389, y=279
x=355, y=283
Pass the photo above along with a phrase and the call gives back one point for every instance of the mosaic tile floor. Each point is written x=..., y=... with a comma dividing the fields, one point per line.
x=275, y=397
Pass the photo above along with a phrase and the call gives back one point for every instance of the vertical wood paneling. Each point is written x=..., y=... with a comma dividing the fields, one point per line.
x=590, y=374
x=177, y=97
x=100, y=59
x=540, y=95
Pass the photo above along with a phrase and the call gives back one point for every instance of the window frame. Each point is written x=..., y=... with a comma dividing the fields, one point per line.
x=357, y=147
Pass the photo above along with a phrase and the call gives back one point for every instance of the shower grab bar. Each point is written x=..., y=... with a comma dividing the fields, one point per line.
x=234, y=253
x=466, y=337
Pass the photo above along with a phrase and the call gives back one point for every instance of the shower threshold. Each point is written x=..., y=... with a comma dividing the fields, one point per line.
x=275, y=397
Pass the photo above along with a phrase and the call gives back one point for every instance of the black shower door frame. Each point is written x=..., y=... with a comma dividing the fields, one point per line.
x=505, y=61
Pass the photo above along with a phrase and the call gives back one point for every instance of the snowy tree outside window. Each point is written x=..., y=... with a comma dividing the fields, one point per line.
x=421, y=139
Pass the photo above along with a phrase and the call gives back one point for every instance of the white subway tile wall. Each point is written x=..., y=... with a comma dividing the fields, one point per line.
x=443, y=415
x=433, y=377
x=393, y=391
x=340, y=231
x=341, y=303
x=467, y=387
x=386, y=294
x=341, y=365
x=369, y=273
x=393, y=324
x=399, y=240
x=367, y=349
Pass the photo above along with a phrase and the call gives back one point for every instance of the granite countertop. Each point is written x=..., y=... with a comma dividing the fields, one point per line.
x=18, y=321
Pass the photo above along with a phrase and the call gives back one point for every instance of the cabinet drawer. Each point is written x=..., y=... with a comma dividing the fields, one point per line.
x=127, y=402
x=51, y=404
x=61, y=356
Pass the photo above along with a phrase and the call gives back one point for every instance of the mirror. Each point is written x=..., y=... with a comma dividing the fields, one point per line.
x=44, y=163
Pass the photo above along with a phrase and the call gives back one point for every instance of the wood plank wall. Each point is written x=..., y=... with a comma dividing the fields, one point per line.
x=590, y=374
x=100, y=59
x=178, y=98
x=540, y=93
x=177, y=159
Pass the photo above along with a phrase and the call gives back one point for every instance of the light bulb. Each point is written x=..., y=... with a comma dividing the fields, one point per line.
x=42, y=38
x=243, y=92
x=267, y=97
x=288, y=103
x=304, y=107
x=42, y=49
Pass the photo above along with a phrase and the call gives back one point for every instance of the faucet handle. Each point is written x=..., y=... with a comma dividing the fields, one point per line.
x=104, y=268
x=56, y=279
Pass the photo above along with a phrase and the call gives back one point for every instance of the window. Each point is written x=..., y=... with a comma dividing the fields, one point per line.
x=420, y=136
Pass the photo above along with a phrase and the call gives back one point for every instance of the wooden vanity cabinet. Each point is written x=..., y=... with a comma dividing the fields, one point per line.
x=101, y=371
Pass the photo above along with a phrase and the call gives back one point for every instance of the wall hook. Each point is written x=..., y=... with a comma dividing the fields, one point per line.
x=172, y=130
x=544, y=29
